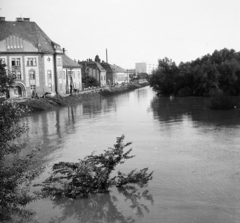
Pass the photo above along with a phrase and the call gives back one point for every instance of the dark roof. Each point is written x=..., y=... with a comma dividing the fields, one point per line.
x=28, y=31
x=108, y=67
x=93, y=64
x=69, y=63
x=100, y=67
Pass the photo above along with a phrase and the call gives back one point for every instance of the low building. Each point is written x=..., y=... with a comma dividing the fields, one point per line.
x=110, y=73
x=71, y=78
x=94, y=70
x=122, y=76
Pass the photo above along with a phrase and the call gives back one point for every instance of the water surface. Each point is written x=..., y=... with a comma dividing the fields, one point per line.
x=194, y=153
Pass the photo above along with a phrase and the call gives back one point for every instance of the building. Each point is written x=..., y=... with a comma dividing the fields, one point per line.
x=95, y=70
x=145, y=68
x=110, y=73
x=121, y=74
x=32, y=56
x=71, y=77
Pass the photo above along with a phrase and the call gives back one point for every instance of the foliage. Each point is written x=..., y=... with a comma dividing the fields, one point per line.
x=222, y=102
x=6, y=80
x=204, y=76
x=92, y=174
x=15, y=175
x=97, y=59
x=89, y=81
x=163, y=78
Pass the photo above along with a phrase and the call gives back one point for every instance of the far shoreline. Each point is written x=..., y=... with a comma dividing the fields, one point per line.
x=52, y=103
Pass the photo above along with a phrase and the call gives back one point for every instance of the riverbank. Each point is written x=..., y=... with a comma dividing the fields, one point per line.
x=48, y=103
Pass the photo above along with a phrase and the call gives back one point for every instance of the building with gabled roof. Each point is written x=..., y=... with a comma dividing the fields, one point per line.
x=121, y=74
x=32, y=56
x=110, y=73
x=95, y=70
x=72, y=75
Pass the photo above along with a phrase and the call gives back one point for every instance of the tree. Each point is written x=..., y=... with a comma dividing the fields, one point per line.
x=6, y=81
x=89, y=81
x=15, y=175
x=204, y=76
x=97, y=59
x=93, y=174
x=164, y=77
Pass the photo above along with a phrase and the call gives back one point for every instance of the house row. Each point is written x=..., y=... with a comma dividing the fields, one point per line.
x=105, y=73
x=42, y=65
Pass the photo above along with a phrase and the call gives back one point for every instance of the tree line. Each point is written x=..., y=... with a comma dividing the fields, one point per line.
x=205, y=76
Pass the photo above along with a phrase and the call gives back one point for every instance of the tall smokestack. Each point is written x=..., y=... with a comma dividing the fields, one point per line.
x=106, y=56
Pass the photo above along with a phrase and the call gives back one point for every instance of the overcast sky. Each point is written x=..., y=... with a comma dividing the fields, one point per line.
x=134, y=30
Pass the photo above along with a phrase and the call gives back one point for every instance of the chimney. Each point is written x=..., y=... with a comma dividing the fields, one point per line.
x=63, y=50
x=19, y=19
x=26, y=19
x=2, y=19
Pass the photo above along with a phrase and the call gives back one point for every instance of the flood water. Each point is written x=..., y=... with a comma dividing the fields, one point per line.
x=194, y=153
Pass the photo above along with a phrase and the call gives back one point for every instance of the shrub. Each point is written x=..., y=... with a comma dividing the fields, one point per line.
x=92, y=174
x=15, y=175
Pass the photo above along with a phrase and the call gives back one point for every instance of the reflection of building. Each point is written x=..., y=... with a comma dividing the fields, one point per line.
x=32, y=56
x=145, y=67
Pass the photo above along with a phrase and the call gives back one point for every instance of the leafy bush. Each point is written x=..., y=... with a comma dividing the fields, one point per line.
x=92, y=174
x=15, y=175
x=221, y=102
x=15, y=172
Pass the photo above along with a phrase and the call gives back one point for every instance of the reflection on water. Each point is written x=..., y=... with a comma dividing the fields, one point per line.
x=103, y=207
x=194, y=153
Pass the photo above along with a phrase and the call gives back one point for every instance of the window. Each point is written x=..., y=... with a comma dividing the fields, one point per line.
x=49, y=73
x=32, y=75
x=2, y=61
x=64, y=75
x=59, y=61
x=33, y=87
x=78, y=74
x=16, y=62
x=18, y=75
x=31, y=61
x=60, y=74
x=73, y=74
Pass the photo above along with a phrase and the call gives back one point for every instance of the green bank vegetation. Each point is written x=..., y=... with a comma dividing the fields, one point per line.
x=15, y=173
x=217, y=75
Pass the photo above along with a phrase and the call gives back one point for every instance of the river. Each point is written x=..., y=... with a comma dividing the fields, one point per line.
x=194, y=153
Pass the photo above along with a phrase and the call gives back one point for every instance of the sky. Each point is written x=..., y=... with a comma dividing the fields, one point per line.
x=133, y=31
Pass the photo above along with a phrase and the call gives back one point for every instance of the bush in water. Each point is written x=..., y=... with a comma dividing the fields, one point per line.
x=92, y=174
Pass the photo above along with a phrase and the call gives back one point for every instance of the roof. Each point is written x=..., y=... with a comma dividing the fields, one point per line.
x=28, y=31
x=93, y=64
x=108, y=67
x=100, y=67
x=118, y=69
x=69, y=63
